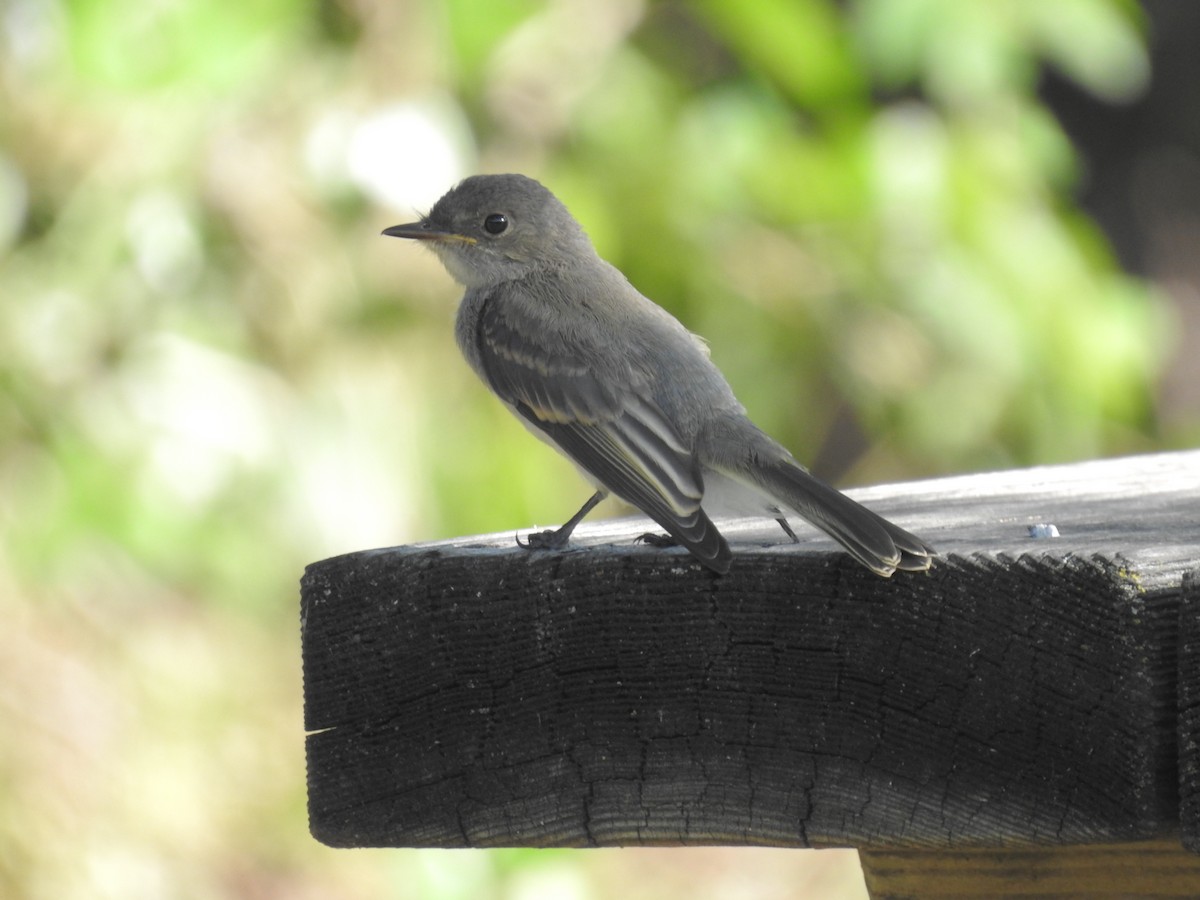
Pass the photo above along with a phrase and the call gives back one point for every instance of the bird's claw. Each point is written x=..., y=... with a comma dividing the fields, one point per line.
x=656, y=540
x=543, y=540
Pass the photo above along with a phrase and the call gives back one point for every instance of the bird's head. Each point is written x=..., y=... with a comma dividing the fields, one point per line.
x=494, y=228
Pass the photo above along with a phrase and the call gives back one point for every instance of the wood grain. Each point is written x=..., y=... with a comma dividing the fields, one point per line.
x=1023, y=693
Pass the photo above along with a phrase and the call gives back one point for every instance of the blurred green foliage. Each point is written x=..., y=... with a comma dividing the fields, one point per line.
x=213, y=370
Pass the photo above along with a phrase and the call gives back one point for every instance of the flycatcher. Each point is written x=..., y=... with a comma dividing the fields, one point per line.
x=617, y=385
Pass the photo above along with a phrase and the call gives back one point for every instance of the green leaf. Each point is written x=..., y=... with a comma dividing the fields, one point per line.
x=799, y=45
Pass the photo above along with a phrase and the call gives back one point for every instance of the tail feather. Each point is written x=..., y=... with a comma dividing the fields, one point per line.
x=871, y=539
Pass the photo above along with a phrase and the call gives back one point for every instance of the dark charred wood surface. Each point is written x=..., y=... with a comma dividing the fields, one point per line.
x=1024, y=693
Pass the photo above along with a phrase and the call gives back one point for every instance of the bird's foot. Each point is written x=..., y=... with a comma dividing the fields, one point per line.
x=556, y=538
x=656, y=540
x=551, y=539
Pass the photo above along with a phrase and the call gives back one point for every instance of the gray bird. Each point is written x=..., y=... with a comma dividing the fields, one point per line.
x=616, y=384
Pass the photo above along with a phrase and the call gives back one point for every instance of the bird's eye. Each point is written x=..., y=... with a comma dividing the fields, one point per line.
x=496, y=223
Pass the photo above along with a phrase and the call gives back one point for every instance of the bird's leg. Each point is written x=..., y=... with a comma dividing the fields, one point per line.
x=783, y=523
x=556, y=539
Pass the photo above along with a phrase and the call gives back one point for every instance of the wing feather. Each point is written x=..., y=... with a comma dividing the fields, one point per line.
x=606, y=425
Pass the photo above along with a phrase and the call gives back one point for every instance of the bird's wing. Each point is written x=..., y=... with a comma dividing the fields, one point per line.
x=604, y=424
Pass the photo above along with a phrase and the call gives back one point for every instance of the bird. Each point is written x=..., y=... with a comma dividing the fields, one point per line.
x=619, y=386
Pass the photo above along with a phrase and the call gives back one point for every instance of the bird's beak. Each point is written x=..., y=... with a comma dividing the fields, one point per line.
x=425, y=231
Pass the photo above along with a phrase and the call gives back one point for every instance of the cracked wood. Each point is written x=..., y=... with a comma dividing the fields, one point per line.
x=471, y=694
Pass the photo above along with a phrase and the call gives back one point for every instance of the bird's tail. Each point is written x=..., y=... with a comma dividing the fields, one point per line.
x=871, y=539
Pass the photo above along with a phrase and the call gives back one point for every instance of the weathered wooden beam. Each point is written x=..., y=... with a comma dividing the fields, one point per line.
x=1023, y=693
x=1189, y=711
